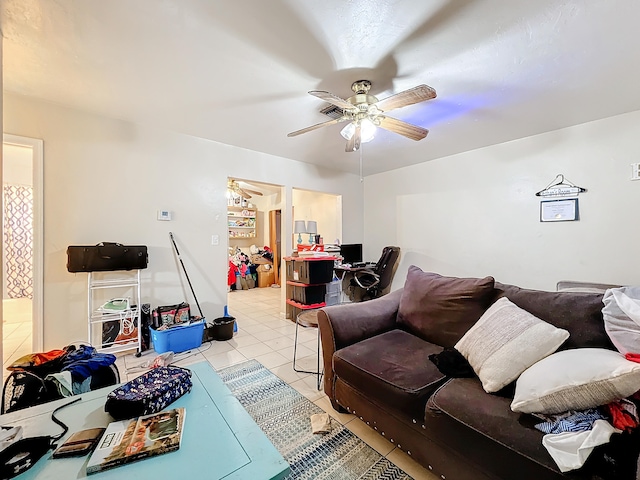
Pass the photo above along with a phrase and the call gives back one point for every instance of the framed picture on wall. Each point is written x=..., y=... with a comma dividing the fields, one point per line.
x=565, y=210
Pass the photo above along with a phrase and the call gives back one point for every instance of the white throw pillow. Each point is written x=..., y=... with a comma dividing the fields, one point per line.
x=575, y=380
x=505, y=341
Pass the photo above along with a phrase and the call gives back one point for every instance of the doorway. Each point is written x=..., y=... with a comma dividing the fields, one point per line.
x=22, y=226
x=254, y=242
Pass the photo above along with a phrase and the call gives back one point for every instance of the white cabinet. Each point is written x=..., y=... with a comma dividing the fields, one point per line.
x=113, y=311
x=241, y=222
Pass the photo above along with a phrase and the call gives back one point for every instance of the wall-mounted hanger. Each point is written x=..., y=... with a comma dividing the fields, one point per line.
x=560, y=187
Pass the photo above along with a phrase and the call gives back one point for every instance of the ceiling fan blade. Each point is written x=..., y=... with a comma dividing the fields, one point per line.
x=333, y=99
x=247, y=187
x=353, y=144
x=408, y=97
x=254, y=192
x=235, y=187
x=244, y=193
x=317, y=125
x=403, y=128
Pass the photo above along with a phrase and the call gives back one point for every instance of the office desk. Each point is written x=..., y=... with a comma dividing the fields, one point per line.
x=220, y=439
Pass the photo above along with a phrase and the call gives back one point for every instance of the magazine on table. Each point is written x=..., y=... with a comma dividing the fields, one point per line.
x=127, y=441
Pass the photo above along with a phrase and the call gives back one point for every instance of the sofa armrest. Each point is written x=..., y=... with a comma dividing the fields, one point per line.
x=344, y=325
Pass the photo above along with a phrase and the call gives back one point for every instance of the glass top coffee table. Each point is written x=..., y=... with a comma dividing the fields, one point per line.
x=220, y=439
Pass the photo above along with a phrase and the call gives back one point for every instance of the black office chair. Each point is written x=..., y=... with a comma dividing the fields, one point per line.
x=375, y=282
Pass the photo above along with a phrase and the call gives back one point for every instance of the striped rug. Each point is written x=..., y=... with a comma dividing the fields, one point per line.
x=283, y=415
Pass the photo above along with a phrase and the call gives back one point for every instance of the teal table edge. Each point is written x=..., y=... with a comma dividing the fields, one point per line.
x=220, y=437
x=266, y=461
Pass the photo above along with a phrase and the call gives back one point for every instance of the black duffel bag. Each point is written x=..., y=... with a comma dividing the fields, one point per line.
x=106, y=257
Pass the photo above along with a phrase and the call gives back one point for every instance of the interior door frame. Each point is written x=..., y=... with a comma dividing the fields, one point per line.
x=274, y=224
x=37, y=315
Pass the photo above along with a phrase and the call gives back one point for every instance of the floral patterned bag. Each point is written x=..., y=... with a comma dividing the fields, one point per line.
x=148, y=393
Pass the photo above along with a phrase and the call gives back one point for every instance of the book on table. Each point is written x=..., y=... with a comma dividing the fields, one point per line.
x=131, y=440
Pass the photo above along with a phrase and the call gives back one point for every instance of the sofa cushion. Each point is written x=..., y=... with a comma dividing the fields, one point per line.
x=576, y=380
x=441, y=309
x=393, y=368
x=481, y=426
x=505, y=342
x=578, y=313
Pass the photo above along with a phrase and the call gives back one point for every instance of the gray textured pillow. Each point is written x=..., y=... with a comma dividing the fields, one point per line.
x=441, y=309
x=505, y=342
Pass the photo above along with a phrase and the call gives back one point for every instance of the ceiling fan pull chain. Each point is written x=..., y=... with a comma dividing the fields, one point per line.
x=361, y=148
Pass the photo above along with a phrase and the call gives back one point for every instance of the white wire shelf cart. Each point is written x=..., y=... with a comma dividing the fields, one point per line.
x=114, y=330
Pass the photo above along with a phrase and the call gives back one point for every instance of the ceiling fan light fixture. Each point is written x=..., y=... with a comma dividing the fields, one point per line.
x=367, y=130
x=364, y=113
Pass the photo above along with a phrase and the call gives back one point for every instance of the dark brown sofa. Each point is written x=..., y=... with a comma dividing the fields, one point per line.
x=377, y=367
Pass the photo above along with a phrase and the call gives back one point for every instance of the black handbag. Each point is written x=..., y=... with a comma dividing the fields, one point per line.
x=106, y=257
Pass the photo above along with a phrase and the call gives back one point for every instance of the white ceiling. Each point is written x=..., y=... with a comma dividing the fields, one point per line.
x=237, y=71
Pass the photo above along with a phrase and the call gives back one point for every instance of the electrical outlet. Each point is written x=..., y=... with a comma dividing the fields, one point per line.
x=215, y=239
x=635, y=171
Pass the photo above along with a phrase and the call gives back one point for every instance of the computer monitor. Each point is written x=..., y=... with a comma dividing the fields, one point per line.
x=351, y=253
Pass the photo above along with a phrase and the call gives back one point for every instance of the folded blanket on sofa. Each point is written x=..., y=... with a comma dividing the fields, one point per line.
x=621, y=315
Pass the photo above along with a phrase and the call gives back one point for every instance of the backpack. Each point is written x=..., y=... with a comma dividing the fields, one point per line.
x=24, y=389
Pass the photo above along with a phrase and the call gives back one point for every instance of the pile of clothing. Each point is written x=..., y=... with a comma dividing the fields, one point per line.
x=243, y=272
x=42, y=377
x=571, y=437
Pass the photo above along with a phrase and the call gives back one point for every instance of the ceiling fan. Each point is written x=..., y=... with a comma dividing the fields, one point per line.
x=365, y=112
x=234, y=187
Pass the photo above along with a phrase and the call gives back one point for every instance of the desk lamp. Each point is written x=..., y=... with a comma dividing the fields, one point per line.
x=312, y=229
x=299, y=227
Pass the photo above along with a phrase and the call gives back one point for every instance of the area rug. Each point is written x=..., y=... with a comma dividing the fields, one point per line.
x=283, y=414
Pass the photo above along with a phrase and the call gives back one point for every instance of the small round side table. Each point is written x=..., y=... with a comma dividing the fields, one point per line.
x=308, y=318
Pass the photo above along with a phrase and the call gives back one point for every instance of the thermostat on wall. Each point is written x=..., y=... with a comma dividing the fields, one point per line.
x=164, y=215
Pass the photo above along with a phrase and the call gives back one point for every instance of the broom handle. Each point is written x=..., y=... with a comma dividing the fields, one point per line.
x=185, y=273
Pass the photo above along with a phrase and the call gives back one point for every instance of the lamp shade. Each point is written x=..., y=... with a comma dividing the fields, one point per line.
x=312, y=227
x=299, y=227
x=367, y=130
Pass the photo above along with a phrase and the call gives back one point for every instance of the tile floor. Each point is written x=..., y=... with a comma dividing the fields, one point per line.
x=265, y=335
x=16, y=330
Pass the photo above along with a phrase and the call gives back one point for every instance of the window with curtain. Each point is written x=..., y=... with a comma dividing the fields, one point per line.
x=18, y=240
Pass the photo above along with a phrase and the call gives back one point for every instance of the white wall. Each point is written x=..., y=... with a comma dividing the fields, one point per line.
x=16, y=164
x=17, y=169
x=476, y=213
x=265, y=204
x=325, y=209
x=105, y=179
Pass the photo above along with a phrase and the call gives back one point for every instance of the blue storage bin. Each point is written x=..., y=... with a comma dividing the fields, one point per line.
x=178, y=339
